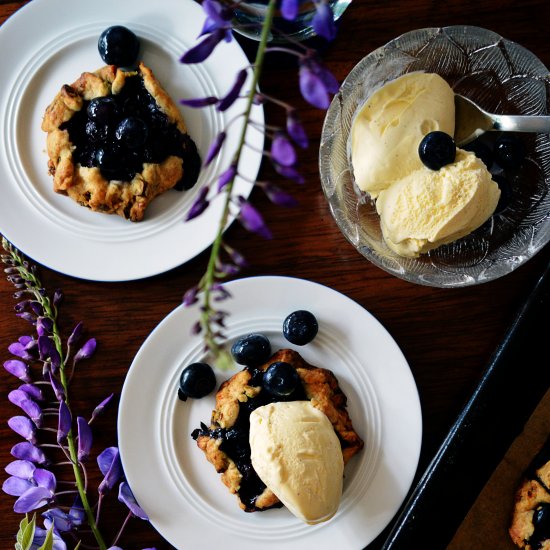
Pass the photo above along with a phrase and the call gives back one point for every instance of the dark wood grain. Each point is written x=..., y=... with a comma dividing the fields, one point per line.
x=446, y=335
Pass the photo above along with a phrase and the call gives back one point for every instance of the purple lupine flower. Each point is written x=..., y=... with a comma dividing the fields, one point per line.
x=222, y=292
x=23, y=426
x=77, y=513
x=201, y=51
x=18, y=349
x=26, y=316
x=282, y=150
x=25, y=340
x=198, y=102
x=289, y=172
x=219, y=14
x=16, y=486
x=45, y=478
x=316, y=82
x=22, y=400
x=190, y=296
x=39, y=495
x=36, y=308
x=236, y=257
x=86, y=351
x=34, y=392
x=27, y=451
x=57, y=387
x=48, y=351
x=44, y=325
x=21, y=468
x=323, y=21
x=214, y=148
x=21, y=306
x=295, y=129
x=234, y=92
x=76, y=334
x=60, y=520
x=18, y=368
x=126, y=496
x=57, y=297
x=64, y=422
x=277, y=196
x=252, y=220
x=110, y=466
x=85, y=439
x=101, y=407
x=200, y=205
x=226, y=177
x=228, y=269
x=289, y=9
x=40, y=537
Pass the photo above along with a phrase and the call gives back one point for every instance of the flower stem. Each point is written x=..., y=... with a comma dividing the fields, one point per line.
x=210, y=274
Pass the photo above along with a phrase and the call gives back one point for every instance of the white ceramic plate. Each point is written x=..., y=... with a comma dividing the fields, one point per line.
x=181, y=492
x=51, y=42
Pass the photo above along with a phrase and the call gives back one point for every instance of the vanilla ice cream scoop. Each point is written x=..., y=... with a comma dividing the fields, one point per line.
x=386, y=132
x=296, y=453
x=429, y=208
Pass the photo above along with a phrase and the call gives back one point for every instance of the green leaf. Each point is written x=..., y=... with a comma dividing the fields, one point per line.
x=25, y=535
x=48, y=543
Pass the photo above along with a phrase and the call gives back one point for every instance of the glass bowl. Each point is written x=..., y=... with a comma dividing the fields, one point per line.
x=501, y=77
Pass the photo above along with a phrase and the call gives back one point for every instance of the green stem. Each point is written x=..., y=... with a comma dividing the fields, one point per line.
x=210, y=276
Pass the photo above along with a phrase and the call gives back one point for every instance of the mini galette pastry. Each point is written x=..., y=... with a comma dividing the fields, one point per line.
x=530, y=528
x=116, y=140
x=226, y=442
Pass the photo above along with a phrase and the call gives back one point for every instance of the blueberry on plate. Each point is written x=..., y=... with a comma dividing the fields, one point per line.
x=280, y=379
x=102, y=110
x=509, y=152
x=437, y=149
x=196, y=381
x=251, y=350
x=118, y=46
x=300, y=327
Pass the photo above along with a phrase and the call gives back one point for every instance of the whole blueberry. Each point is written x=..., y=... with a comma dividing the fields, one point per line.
x=300, y=327
x=280, y=379
x=118, y=46
x=102, y=110
x=251, y=350
x=196, y=381
x=509, y=152
x=437, y=149
x=96, y=132
x=132, y=132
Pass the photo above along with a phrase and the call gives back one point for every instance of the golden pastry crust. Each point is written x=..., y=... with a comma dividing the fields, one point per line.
x=320, y=386
x=86, y=185
x=531, y=494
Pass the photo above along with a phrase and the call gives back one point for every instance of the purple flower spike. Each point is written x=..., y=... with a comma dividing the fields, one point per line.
x=227, y=177
x=18, y=349
x=40, y=537
x=215, y=148
x=110, y=466
x=217, y=13
x=126, y=496
x=289, y=172
x=18, y=368
x=64, y=424
x=323, y=21
x=33, y=498
x=252, y=220
x=27, y=451
x=234, y=92
x=289, y=9
x=16, y=486
x=277, y=196
x=77, y=513
x=282, y=150
x=22, y=426
x=202, y=50
x=316, y=82
x=236, y=256
x=200, y=205
x=44, y=326
x=86, y=351
x=85, y=439
x=196, y=103
x=44, y=478
x=21, y=399
x=21, y=468
x=57, y=297
x=76, y=334
x=190, y=297
x=46, y=348
x=59, y=519
x=34, y=392
x=101, y=407
x=57, y=387
x=295, y=129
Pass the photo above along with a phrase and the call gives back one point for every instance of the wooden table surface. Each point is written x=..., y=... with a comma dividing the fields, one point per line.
x=446, y=335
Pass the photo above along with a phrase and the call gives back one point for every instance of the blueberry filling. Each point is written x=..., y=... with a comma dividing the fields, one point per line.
x=118, y=133
x=235, y=441
x=541, y=515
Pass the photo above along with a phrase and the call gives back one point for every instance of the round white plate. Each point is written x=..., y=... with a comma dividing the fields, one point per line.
x=51, y=42
x=182, y=493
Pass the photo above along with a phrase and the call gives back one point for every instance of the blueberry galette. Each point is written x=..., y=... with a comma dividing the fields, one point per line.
x=116, y=140
x=530, y=528
x=226, y=442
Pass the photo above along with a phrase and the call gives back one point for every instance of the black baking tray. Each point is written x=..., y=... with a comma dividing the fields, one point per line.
x=516, y=379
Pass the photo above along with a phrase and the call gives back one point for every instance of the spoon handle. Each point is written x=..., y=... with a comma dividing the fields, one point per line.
x=522, y=123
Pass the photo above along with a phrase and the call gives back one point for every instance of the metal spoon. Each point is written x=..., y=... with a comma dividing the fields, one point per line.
x=471, y=121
